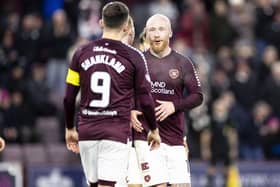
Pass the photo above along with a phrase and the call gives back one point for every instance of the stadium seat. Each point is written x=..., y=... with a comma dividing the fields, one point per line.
x=48, y=129
x=12, y=153
x=58, y=154
x=34, y=154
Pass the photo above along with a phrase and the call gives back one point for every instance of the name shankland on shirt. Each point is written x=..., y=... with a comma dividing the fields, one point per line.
x=103, y=59
x=160, y=87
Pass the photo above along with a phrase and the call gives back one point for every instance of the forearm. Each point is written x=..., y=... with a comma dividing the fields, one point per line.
x=189, y=102
x=69, y=112
x=69, y=105
x=148, y=108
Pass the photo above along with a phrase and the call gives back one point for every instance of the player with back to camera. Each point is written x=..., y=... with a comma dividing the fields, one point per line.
x=109, y=74
x=172, y=74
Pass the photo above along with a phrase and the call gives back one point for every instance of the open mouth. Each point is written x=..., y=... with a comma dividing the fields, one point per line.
x=157, y=42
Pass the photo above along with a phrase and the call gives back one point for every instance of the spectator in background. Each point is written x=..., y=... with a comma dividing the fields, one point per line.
x=58, y=40
x=8, y=56
x=38, y=93
x=270, y=91
x=221, y=31
x=273, y=31
x=241, y=17
x=13, y=21
x=243, y=85
x=249, y=135
x=219, y=142
x=269, y=129
x=194, y=26
x=244, y=51
x=139, y=13
x=250, y=139
x=165, y=7
x=9, y=53
x=219, y=83
x=23, y=117
x=88, y=26
x=269, y=57
x=226, y=60
x=10, y=131
x=29, y=39
x=17, y=80
x=264, y=16
x=50, y=6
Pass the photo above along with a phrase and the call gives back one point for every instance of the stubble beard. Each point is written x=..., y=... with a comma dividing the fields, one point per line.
x=159, y=48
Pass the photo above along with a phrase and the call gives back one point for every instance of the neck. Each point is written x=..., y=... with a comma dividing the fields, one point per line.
x=161, y=54
x=114, y=35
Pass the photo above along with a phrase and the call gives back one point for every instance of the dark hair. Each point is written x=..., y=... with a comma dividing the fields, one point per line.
x=114, y=14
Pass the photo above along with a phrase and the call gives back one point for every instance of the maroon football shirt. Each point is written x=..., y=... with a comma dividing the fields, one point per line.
x=174, y=79
x=110, y=72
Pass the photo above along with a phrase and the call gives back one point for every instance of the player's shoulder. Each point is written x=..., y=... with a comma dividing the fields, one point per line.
x=181, y=57
x=184, y=59
x=82, y=48
x=134, y=52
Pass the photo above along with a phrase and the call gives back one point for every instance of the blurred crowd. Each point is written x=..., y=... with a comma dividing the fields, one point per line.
x=235, y=45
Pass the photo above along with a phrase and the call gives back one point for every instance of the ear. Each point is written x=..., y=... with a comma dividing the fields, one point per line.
x=101, y=24
x=170, y=34
x=125, y=27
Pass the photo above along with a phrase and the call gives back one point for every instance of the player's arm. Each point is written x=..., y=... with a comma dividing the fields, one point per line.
x=193, y=99
x=134, y=121
x=71, y=135
x=192, y=84
x=70, y=104
x=72, y=89
x=144, y=97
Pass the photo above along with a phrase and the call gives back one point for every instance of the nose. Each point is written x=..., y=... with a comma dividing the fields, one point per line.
x=157, y=33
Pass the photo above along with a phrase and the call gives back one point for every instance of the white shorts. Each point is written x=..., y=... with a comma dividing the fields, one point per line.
x=178, y=166
x=146, y=167
x=134, y=175
x=105, y=160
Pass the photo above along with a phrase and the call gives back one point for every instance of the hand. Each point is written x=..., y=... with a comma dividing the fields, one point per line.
x=153, y=139
x=165, y=109
x=134, y=122
x=72, y=140
x=2, y=144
